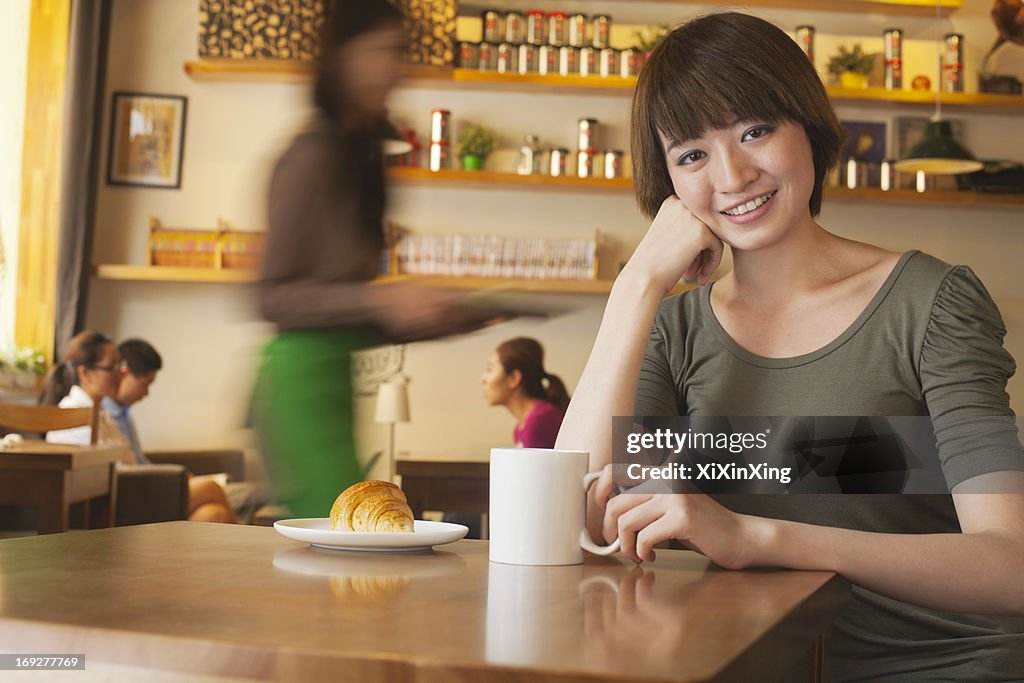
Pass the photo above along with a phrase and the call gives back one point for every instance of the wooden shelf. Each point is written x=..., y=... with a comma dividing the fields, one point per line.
x=117, y=271
x=131, y=273
x=255, y=71
x=920, y=8
x=492, y=180
x=249, y=70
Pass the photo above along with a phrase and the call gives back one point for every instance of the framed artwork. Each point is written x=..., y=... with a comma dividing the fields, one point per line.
x=147, y=139
x=866, y=141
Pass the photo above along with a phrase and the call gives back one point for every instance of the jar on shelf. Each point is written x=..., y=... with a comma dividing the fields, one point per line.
x=529, y=156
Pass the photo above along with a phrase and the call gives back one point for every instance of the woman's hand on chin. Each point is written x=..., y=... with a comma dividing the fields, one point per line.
x=678, y=245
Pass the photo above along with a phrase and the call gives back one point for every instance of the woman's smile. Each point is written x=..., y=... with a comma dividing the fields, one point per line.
x=750, y=210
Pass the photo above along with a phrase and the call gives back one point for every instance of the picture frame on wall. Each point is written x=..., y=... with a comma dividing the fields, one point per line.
x=866, y=142
x=147, y=140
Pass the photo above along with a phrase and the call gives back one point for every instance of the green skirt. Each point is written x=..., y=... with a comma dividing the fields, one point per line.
x=303, y=408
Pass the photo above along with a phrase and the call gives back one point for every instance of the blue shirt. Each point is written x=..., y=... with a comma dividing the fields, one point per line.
x=122, y=417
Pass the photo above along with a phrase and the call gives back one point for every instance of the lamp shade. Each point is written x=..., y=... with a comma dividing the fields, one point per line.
x=938, y=153
x=393, y=401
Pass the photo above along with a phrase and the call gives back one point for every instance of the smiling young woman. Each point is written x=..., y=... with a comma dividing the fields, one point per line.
x=732, y=137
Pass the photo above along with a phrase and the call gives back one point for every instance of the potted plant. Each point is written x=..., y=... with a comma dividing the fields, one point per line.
x=647, y=39
x=23, y=370
x=852, y=66
x=475, y=143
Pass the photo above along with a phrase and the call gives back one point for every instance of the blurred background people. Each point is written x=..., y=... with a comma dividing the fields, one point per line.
x=140, y=363
x=89, y=371
x=325, y=238
x=516, y=379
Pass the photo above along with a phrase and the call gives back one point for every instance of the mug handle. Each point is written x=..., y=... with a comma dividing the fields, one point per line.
x=586, y=542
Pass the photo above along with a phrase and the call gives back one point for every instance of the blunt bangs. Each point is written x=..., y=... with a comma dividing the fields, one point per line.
x=717, y=70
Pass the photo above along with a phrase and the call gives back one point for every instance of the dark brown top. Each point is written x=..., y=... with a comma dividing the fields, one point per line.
x=324, y=237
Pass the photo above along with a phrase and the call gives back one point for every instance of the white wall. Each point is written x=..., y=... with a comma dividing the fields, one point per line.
x=13, y=63
x=210, y=336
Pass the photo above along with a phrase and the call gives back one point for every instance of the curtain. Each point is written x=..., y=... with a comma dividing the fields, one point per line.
x=80, y=167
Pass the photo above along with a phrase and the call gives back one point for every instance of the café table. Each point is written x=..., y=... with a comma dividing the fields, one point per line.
x=51, y=477
x=192, y=601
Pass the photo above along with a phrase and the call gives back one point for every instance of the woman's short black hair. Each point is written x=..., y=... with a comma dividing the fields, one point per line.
x=718, y=69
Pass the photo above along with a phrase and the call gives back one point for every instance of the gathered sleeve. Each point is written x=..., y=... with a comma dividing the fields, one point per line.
x=964, y=368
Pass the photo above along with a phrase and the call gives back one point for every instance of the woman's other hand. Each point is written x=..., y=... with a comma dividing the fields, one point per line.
x=641, y=521
x=677, y=246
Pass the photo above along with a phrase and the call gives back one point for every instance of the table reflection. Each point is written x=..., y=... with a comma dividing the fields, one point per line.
x=369, y=576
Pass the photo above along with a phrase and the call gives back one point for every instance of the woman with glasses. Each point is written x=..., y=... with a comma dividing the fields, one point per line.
x=90, y=372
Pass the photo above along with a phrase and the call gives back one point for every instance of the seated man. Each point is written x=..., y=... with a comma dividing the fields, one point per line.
x=139, y=364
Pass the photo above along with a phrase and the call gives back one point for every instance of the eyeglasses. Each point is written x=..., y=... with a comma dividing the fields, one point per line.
x=105, y=368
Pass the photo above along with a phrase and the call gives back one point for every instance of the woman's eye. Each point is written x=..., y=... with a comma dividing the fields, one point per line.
x=690, y=158
x=757, y=132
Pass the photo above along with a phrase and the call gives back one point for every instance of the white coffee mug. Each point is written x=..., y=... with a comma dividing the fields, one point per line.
x=538, y=507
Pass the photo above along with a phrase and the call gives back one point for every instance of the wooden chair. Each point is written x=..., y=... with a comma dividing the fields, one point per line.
x=40, y=419
x=34, y=421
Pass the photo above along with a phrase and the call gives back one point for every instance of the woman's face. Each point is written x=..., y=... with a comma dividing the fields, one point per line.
x=101, y=380
x=749, y=182
x=498, y=385
x=371, y=64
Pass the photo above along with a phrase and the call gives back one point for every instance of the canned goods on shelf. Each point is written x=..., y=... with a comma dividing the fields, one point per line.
x=528, y=58
x=585, y=163
x=487, y=56
x=439, y=156
x=608, y=62
x=469, y=55
x=953, y=65
x=856, y=173
x=568, y=60
x=515, y=28
x=529, y=157
x=601, y=25
x=559, y=155
x=535, y=28
x=613, y=163
x=439, y=119
x=577, y=30
x=558, y=29
x=587, y=61
x=492, y=26
x=893, y=39
x=507, y=62
x=547, y=60
x=805, y=39
x=629, y=62
x=587, y=134
x=888, y=178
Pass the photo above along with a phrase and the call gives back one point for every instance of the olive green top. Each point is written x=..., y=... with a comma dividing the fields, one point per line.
x=928, y=343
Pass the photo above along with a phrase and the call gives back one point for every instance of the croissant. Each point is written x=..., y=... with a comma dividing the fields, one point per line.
x=372, y=506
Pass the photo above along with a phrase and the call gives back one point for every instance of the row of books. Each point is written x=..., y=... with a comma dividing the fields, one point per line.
x=498, y=257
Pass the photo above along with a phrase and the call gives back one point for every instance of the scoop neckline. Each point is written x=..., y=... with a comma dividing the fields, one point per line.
x=803, y=359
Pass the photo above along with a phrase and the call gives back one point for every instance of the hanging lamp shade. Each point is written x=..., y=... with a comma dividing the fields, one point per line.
x=938, y=153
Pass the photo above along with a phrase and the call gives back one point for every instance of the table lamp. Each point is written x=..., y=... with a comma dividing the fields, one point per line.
x=392, y=407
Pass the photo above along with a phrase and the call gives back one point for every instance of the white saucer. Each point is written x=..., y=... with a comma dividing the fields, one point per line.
x=318, y=532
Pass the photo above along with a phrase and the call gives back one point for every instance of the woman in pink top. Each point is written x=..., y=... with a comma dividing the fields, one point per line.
x=515, y=378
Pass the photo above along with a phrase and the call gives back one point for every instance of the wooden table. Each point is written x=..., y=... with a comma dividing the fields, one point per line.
x=50, y=477
x=446, y=486
x=200, y=600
